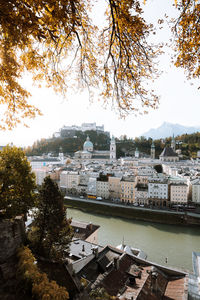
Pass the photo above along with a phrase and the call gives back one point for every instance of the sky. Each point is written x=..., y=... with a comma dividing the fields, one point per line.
x=179, y=99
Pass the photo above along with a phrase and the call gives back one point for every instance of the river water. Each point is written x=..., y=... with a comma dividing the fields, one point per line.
x=159, y=241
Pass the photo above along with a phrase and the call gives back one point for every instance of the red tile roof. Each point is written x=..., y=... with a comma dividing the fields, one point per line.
x=176, y=289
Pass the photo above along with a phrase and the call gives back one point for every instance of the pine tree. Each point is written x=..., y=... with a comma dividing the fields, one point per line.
x=52, y=233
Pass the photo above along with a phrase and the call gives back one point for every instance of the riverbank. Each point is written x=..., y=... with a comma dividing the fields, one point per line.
x=134, y=213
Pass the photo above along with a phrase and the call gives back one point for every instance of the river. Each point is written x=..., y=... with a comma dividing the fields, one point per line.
x=159, y=241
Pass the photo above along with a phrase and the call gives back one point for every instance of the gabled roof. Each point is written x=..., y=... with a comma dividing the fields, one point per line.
x=83, y=230
x=168, y=151
x=127, y=276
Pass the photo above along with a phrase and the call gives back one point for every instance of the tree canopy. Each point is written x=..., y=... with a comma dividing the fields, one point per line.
x=17, y=182
x=187, y=37
x=54, y=39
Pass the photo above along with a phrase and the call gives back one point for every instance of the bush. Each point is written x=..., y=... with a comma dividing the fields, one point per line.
x=34, y=281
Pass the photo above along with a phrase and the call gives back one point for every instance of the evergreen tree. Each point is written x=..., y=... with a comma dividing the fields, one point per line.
x=52, y=232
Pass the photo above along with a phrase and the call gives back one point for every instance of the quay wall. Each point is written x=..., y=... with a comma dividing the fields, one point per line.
x=142, y=214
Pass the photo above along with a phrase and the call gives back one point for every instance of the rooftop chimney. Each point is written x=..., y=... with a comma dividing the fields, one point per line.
x=116, y=263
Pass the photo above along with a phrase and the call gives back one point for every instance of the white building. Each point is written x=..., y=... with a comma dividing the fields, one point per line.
x=84, y=127
x=40, y=174
x=196, y=190
x=128, y=189
x=141, y=193
x=91, y=126
x=103, y=187
x=92, y=186
x=170, y=170
x=39, y=162
x=149, y=171
x=69, y=180
x=114, y=187
x=89, y=153
x=178, y=193
x=158, y=189
x=137, y=153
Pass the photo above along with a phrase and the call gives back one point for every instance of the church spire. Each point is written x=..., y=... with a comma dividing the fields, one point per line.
x=153, y=152
x=113, y=149
x=173, y=143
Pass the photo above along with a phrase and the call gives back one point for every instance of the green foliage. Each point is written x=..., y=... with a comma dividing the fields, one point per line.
x=158, y=168
x=17, y=182
x=69, y=145
x=35, y=282
x=189, y=144
x=58, y=43
x=101, y=294
x=52, y=232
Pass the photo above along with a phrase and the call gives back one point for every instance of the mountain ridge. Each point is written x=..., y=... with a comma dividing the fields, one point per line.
x=169, y=129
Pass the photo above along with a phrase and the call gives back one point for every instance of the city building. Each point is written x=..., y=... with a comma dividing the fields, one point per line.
x=114, y=187
x=158, y=191
x=129, y=277
x=128, y=189
x=69, y=181
x=92, y=186
x=40, y=174
x=137, y=153
x=178, y=193
x=39, y=162
x=196, y=190
x=70, y=131
x=168, y=155
x=141, y=193
x=85, y=231
x=102, y=186
x=89, y=153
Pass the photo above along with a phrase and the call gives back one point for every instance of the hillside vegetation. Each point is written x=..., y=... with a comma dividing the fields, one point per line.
x=189, y=144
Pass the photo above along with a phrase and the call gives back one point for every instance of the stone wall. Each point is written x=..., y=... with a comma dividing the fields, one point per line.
x=12, y=236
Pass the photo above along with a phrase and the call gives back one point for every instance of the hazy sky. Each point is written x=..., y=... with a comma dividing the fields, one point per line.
x=179, y=100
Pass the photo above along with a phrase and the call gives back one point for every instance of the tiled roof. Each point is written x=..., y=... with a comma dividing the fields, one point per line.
x=83, y=230
x=176, y=289
x=168, y=151
x=129, y=277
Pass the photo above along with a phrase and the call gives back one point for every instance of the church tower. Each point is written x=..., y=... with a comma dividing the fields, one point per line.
x=153, y=151
x=61, y=156
x=173, y=143
x=113, y=149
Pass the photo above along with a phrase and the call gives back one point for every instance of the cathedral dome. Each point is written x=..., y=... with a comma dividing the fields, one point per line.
x=88, y=145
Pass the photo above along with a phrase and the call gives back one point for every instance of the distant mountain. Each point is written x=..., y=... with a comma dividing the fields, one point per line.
x=168, y=129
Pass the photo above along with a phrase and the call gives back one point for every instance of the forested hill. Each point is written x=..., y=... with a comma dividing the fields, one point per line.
x=189, y=144
x=69, y=145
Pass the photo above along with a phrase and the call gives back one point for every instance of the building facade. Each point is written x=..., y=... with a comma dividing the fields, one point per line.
x=128, y=189
x=158, y=192
x=169, y=155
x=89, y=153
x=102, y=187
x=178, y=193
x=196, y=191
x=114, y=187
x=69, y=180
